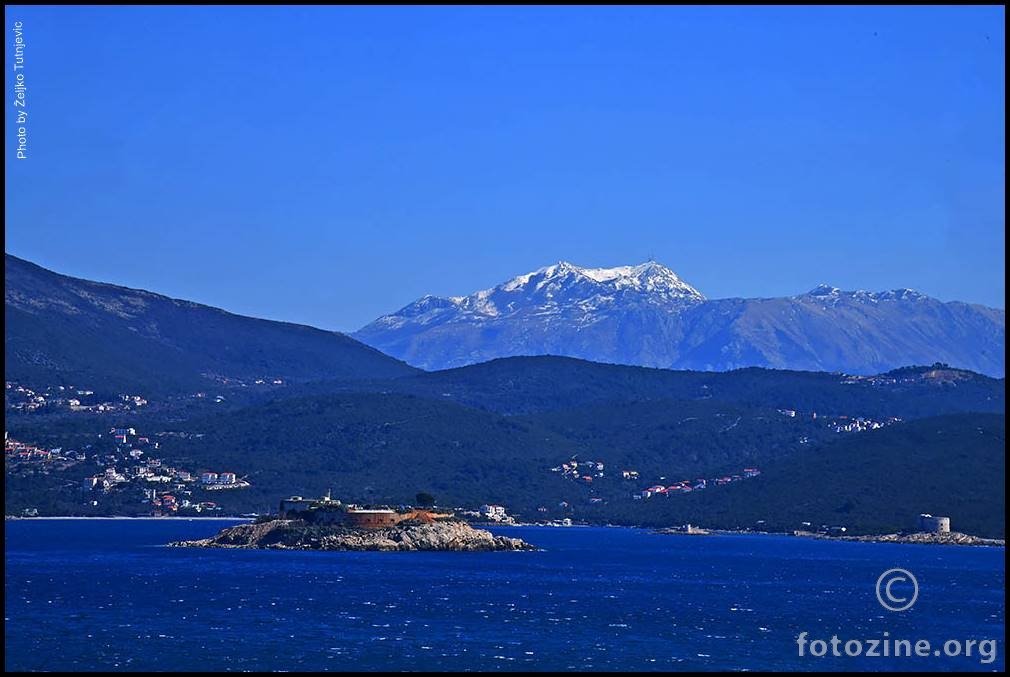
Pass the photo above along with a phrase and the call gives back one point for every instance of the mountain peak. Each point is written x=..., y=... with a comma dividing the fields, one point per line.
x=824, y=289
x=562, y=288
x=645, y=314
x=645, y=277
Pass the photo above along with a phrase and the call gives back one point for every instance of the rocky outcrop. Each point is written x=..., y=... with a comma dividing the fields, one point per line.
x=686, y=530
x=952, y=538
x=297, y=535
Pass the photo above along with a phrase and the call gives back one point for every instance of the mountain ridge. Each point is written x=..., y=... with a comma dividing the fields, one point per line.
x=646, y=315
x=64, y=329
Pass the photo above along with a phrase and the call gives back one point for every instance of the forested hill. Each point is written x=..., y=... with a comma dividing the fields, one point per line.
x=63, y=330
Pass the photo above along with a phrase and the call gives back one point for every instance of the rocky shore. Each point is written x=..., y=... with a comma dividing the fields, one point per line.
x=924, y=538
x=688, y=530
x=951, y=538
x=297, y=535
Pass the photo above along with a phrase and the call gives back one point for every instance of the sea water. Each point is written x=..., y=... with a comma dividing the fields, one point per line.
x=106, y=595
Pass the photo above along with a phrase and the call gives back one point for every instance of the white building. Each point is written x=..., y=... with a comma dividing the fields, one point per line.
x=495, y=513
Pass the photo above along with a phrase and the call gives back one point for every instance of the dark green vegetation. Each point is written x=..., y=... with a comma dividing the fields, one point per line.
x=385, y=447
x=62, y=330
x=372, y=430
x=375, y=448
x=681, y=439
x=873, y=482
x=529, y=384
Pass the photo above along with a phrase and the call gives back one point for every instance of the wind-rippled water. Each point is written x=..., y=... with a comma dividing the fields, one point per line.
x=103, y=595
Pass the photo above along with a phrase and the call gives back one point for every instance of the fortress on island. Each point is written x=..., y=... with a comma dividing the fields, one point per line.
x=328, y=524
x=328, y=511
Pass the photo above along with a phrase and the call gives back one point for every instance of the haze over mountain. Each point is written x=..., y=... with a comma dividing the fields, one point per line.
x=61, y=329
x=646, y=315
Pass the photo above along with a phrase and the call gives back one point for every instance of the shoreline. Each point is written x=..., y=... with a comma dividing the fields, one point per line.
x=894, y=539
x=127, y=517
x=296, y=534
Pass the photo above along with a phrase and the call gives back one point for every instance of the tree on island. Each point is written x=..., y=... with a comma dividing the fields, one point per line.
x=424, y=499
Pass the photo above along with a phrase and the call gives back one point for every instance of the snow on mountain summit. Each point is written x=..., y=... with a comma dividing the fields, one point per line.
x=646, y=315
x=562, y=288
x=648, y=277
x=828, y=293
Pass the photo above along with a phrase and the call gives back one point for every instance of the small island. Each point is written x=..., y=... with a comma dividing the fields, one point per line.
x=326, y=524
x=929, y=530
x=684, y=530
x=920, y=537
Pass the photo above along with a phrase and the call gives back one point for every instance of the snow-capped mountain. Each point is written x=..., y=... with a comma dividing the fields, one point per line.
x=646, y=315
x=579, y=294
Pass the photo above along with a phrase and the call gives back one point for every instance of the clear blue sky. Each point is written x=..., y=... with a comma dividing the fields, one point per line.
x=328, y=165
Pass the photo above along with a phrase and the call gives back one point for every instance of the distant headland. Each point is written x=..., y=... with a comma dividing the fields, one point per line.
x=929, y=530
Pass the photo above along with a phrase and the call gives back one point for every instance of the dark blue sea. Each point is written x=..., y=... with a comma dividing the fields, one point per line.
x=104, y=595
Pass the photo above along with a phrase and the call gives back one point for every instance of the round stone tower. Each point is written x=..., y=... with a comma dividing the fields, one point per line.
x=933, y=524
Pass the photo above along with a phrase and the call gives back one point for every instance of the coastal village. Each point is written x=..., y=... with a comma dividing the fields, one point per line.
x=700, y=484
x=122, y=462
x=127, y=462
x=67, y=398
x=130, y=461
x=59, y=399
x=842, y=423
x=586, y=472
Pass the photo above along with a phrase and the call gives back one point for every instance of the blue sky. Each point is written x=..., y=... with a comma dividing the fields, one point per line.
x=328, y=165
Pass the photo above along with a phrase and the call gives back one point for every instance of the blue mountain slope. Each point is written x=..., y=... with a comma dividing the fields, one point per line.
x=646, y=315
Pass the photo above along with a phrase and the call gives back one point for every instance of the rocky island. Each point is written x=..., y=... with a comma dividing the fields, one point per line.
x=925, y=538
x=684, y=530
x=282, y=534
x=929, y=530
x=325, y=524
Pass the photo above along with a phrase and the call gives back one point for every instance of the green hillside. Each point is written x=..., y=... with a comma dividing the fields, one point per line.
x=872, y=482
x=530, y=384
x=347, y=418
x=62, y=330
